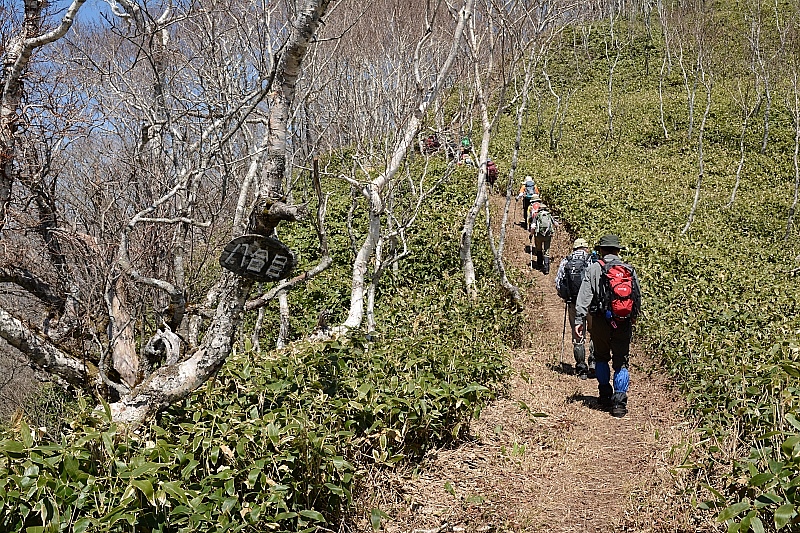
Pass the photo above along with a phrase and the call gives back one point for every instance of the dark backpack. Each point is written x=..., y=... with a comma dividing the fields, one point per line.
x=574, y=269
x=619, y=290
x=543, y=224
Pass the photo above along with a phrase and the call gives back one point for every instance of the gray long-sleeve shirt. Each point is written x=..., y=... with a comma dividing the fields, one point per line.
x=590, y=288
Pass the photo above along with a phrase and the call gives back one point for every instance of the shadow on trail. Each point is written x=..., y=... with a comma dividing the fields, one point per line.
x=590, y=402
x=562, y=368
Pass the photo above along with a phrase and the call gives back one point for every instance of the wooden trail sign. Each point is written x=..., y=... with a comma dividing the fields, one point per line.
x=258, y=257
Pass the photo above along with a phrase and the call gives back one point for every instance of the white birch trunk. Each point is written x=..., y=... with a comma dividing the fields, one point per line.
x=612, y=65
x=373, y=286
x=121, y=334
x=690, y=92
x=43, y=354
x=467, y=230
x=747, y=114
x=377, y=187
x=661, y=97
x=360, y=267
x=795, y=107
x=767, y=110
x=255, y=338
x=171, y=383
x=700, y=159
x=283, y=330
x=481, y=196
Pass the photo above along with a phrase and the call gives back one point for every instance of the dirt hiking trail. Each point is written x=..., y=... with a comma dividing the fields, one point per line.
x=544, y=458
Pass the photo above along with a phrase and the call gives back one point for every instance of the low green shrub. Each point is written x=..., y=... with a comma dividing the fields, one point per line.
x=271, y=444
x=276, y=441
x=721, y=304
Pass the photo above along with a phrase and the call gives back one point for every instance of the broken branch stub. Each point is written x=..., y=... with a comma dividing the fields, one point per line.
x=266, y=216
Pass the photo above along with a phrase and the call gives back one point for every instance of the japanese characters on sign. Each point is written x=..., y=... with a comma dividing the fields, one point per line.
x=258, y=257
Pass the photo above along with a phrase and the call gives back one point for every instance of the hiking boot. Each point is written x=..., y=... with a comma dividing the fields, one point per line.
x=546, y=266
x=619, y=404
x=604, y=402
x=605, y=391
x=580, y=361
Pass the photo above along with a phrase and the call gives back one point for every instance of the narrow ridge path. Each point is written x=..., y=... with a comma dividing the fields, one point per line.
x=543, y=457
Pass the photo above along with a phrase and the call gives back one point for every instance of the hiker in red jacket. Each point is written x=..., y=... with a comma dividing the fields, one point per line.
x=491, y=173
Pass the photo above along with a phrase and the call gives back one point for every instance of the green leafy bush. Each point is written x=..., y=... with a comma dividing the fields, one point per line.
x=270, y=444
x=720, y=306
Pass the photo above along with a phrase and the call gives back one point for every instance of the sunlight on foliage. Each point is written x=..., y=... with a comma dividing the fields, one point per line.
x=277, y=441
x=720, y=306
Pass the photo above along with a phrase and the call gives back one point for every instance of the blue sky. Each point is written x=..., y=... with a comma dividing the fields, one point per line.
x=90, y=10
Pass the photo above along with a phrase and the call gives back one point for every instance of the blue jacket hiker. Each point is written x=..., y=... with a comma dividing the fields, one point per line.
x=610, y=294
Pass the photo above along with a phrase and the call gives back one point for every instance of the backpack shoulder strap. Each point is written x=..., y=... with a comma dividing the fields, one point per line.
x=606, y=266
x=579, y=256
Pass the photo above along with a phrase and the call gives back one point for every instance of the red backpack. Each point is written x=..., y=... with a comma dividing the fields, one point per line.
x=620, y=292
x=491, y=169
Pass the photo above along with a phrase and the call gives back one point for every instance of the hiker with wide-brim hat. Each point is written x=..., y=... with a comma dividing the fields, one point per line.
x=534, y=204
x=542, y=227
x=610, y=242
x=610, y=294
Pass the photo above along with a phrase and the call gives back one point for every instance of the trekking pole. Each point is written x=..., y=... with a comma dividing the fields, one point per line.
x=530, y=247
x=563, y=334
